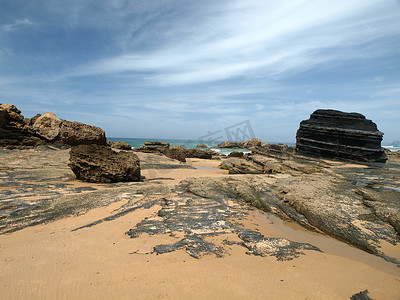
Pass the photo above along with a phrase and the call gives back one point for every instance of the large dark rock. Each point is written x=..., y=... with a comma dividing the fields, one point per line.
x=336, y=134
x=97, y=163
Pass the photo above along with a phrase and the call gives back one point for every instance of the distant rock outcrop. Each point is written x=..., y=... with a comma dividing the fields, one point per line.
x=180, y=153
x=240, y=145
x=175, y=152
x=201, y=146
x=121, y=146
x=19, y=132
x=100, y=164
x=336, y=134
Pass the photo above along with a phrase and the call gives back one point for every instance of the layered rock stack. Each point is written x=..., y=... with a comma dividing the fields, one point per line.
x=336, y=134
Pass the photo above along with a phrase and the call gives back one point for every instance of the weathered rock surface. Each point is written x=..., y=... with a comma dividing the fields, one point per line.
x=201, y=146
x=355, y=203
x=97, y=163
x=175, y=152
x=121, y=146
x=48, y=126
x=261, y=164
x=13, y=129
x=236, y=154
x=153, y=147
x=180, y=153
x=76, y=133
x=336, y=134
x=18, y=132
x=240, y=145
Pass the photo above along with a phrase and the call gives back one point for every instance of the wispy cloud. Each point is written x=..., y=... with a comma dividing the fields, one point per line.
x=17, y=24
x=195, y=66
x=258, y=39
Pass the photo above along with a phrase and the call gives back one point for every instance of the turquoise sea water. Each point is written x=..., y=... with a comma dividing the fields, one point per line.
x=188, y=144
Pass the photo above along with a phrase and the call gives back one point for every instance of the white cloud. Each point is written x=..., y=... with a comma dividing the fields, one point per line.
x=253, y=38
x=17, y=24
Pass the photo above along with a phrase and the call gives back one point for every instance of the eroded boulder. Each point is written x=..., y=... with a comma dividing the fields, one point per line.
x=100, y=164
x=121, y=146
x=76, y=133
x=180, y=153
x=48, y=126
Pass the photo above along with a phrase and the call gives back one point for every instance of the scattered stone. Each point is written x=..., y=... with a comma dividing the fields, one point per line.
x=153, y=147
x=236, y=154
x=158, y=144
x=180, y=153
x=336, y=134
x=121, y=146
x=100, y=164
x=240, y=145
x=361, y=296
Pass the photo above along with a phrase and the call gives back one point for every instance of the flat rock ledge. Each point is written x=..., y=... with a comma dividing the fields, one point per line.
x=100, y=164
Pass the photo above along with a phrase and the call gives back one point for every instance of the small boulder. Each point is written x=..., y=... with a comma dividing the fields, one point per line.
x=228, y=144
x=48, y=126
x=157, y=144
x=236, y=154
x=121, y=146
x=201, y=146
x=251, y=143
x=100, y=164
x=180, y=153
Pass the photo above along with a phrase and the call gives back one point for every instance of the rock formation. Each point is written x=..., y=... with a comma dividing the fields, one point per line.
x=240, y=145
x=336, y=134
x=19, y=132
x=121, y=146
x=201, y=146
x=180, y=153
x=15, y=131
x=175, y=152
x=97, y=163
x=76, y=133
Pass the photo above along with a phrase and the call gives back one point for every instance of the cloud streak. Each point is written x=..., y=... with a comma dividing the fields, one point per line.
x=275, y=40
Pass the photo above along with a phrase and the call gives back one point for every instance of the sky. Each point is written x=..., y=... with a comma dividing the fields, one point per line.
x=185, y=69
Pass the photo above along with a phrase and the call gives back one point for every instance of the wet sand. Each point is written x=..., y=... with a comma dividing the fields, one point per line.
x=50, y=261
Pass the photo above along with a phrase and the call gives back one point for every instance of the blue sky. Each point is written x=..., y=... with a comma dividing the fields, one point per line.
x=179, y=69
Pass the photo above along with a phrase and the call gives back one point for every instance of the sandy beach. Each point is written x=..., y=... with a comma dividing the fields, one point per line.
x=56, y=261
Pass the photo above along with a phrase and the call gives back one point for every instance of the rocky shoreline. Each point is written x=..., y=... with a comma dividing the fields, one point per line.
x=355, y=202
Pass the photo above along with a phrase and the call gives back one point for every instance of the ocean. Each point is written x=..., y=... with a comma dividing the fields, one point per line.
x=392, y=148
x=191, y=144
